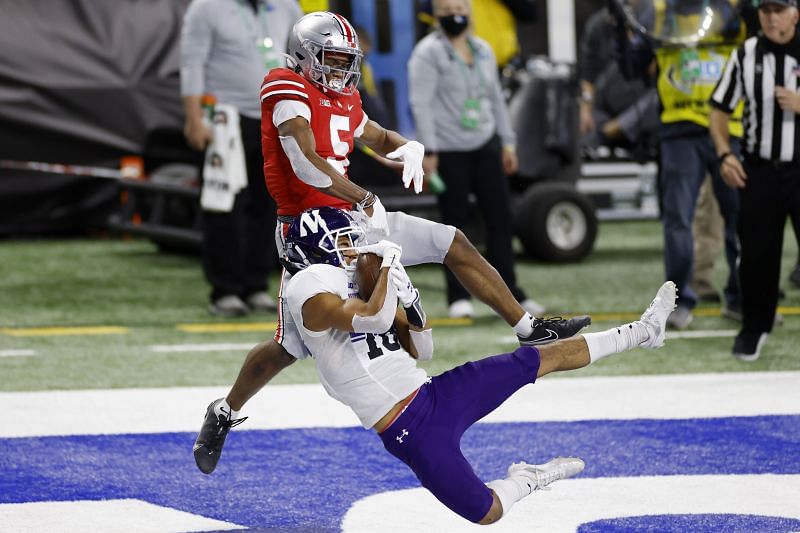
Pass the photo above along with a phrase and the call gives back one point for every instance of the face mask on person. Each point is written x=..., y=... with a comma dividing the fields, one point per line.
x=454, y=25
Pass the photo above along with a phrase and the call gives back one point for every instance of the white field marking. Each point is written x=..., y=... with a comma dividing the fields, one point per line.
x=707, y=334
x=699, y=334
x=570, y=503
x=93, y=412
x=17, y=353
x=120, y=516
x=170, y=348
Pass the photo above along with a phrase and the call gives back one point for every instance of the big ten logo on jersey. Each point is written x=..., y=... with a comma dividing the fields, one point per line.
x=324, y=102
x=378, y=344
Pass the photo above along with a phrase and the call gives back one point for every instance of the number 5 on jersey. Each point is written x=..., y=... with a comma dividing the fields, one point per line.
x=340, y=147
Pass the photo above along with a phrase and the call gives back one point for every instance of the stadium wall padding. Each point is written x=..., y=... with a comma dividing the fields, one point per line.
x=81, y=82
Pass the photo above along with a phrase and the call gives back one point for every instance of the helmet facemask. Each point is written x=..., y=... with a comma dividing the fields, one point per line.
x=339, y=79
x=343, y=240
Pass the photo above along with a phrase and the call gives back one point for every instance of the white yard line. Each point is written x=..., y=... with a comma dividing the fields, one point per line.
x=17, y=353
x=105, y=515
x=178, y=348
x=298, y=406
x=707, y=334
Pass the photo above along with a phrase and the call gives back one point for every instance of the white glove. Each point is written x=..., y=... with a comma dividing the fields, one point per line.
x=406, y=292
x=408, y=295
x=387, y=249
x=411, y=155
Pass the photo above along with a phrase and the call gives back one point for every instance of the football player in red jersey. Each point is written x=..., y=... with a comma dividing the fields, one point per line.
x=311, y=115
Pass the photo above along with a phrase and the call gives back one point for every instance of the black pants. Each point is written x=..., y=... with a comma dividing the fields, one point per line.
x=239, y=247
x=772, y=194
x=479, y=172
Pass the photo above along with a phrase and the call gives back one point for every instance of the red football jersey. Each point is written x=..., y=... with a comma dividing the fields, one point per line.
x=334, y=120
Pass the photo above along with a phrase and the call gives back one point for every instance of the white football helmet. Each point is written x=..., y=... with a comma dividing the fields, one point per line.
x=321, y=33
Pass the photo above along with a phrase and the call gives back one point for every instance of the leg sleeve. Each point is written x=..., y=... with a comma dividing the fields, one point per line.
x=423, y=241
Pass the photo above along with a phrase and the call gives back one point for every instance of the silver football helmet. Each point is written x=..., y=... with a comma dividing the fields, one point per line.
x=322, y=34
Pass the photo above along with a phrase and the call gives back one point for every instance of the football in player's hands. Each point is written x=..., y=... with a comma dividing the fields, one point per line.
x=368, y=268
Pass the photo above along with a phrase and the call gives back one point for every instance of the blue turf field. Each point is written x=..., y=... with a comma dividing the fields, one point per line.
x=306, y=479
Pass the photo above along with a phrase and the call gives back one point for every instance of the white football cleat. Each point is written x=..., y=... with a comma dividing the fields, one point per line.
x=540, y=476
x=655, y=317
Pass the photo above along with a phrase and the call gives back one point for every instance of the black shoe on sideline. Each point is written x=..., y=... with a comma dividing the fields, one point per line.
x=208, y=446
x=747, y=346
x=547, y=330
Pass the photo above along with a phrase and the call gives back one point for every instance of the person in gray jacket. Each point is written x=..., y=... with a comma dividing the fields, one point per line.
x=462, y=119
x=227, y=46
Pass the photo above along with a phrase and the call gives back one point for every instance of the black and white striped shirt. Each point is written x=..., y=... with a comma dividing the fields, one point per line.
x=752, y=73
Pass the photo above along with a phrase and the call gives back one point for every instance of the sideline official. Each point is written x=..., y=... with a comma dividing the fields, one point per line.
x=765, y=73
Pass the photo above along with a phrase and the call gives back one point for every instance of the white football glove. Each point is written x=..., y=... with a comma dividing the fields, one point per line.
x=387, y=249
x=411, y=155
x=408, y=295
x=406, y=292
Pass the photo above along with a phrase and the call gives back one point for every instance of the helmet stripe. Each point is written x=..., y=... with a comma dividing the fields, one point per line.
x=347, y=30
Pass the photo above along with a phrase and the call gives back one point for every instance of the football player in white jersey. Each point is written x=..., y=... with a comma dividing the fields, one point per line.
x=311, y=116
x=365, y=352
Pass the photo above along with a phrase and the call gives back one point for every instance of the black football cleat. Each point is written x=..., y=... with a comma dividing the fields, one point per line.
x=208, y=446
x=547, y=330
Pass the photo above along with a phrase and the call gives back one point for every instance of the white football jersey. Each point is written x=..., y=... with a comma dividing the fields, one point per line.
x=367, y=372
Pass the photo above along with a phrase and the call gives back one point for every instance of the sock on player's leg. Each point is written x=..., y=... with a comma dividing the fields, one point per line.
x=616, y=340
x=509, y=491
x=223, y=408
x=524, y=327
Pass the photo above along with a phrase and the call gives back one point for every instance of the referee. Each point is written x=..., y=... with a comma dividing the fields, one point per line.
x=764, y=72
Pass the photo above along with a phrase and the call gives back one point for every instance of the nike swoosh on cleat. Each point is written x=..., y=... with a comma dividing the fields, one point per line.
x=550, y=335
x=196, y=447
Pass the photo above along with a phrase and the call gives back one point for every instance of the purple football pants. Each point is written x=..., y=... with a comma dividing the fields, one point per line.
x=427, y=435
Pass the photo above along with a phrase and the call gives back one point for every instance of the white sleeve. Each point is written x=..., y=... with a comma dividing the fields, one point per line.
x=383, y=319
x=307, y=283
x=423, y=343
x=360, y=129
x=289, y=109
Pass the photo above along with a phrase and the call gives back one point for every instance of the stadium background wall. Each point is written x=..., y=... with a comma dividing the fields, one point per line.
x=85, y=83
